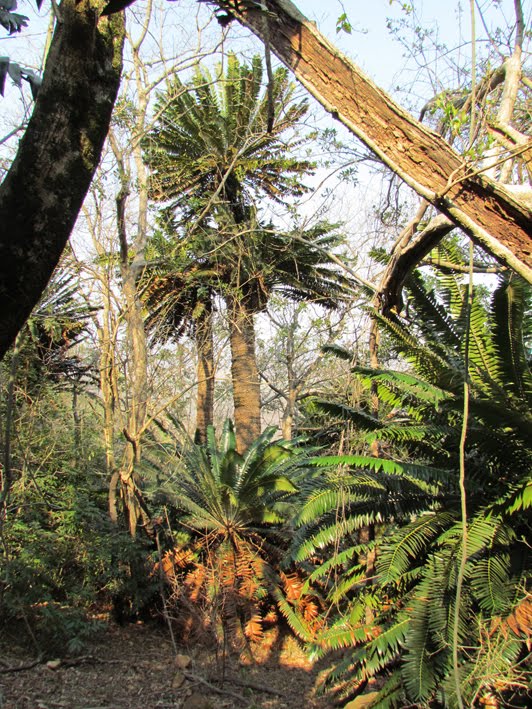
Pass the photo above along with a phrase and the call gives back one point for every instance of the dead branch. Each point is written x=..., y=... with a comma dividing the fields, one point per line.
x=196, y=678
x=405, y=259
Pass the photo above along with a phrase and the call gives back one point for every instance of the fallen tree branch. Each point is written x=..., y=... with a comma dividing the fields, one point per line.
x=494, y=219
x=255, y=686
x=196, y=678
x=21, y=668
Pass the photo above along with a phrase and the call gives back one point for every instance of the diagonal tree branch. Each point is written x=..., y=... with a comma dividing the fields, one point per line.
x=484, y=209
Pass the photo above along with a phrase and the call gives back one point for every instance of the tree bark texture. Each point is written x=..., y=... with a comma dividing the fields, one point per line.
x=480, y=206
x=42, y=193
x=205, y=371
x=244, y=373
x=137, y=364
x=408, y=252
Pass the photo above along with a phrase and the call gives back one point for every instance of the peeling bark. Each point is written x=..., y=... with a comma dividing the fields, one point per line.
x=477, y=204
x=406, y=258
x=42, y=193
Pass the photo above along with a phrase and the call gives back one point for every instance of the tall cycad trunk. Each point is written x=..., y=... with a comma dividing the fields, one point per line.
x=205, y=372
x=244, y=372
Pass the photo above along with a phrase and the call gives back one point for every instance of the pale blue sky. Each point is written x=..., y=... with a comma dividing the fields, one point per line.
x=373, y=48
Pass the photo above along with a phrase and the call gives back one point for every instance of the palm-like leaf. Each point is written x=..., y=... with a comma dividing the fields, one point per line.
x=420, y=548
x=233, y=506
x=212, y=139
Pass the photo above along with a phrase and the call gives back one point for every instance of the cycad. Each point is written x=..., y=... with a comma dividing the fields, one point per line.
x=179, y=296
x=417, y=504
x=211, y=157
x=211, y=143
x=234, y=506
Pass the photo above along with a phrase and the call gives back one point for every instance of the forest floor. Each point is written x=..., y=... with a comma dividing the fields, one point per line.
x=136, y=666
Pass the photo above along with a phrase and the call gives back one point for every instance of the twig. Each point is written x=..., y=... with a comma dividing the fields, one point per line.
x=213, y=687
x=20, y=668
x=65, y=662
x=162, y=592
x=255, y=685
x=74, y=661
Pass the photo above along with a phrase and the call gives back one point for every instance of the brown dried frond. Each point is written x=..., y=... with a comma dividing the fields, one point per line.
x=271, y=616
x=309, y=609
x=173, y=560
x=292, y=585
x=253, y=629
x=519, y=622
x=248, y=588
x=225, y=574
x=194, y=581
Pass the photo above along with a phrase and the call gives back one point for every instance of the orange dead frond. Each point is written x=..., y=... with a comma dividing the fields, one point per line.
x=194, y=582
x=292, y=586
x=309, y=609
x=253, y=629
x=523, y=617
x=271, y=617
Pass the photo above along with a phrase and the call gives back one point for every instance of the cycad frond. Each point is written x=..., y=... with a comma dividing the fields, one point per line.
x=420, y=535
x=409, y=545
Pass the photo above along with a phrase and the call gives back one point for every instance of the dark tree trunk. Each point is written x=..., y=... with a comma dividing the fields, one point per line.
x=480, y=206
x=205, y=370
x=244, y=373
x=42, y=194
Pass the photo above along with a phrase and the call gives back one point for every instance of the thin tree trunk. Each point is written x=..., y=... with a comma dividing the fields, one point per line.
x=205, y=370
x=484, y=209
x=293, y=389
x=244, y=372
x=6, y=476
x=76, y=416
x=134, y=505
x=42, y=194
x=366, y=534
x=108, y=388
x=288, y=415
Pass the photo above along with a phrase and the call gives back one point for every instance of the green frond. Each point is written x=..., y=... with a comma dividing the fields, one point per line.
x=336, y=561
x=294, y=620
x=338, y=351
x=491, y=582
x=517, y=498
x=435, y=363
x=404, y=384
x=508, y=311
x=228, y=438
x=358, y=417
x=329, y=534
x=391, y=695
x=320, y=503
x=410, y=545
x=342, y=634
x=417, y=669
x=391, y=639
x=434, y=318
x=350, y=584
x=413, y=471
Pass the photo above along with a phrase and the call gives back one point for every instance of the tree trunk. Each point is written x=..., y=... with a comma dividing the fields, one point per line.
x=292, y=385
x=137, y=366
x=480, y=206
x=244, y=372
x=205, y=370
x=43, y=191
x=287, y=422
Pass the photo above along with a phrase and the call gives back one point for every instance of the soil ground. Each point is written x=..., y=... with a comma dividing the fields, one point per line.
x=136, y=666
